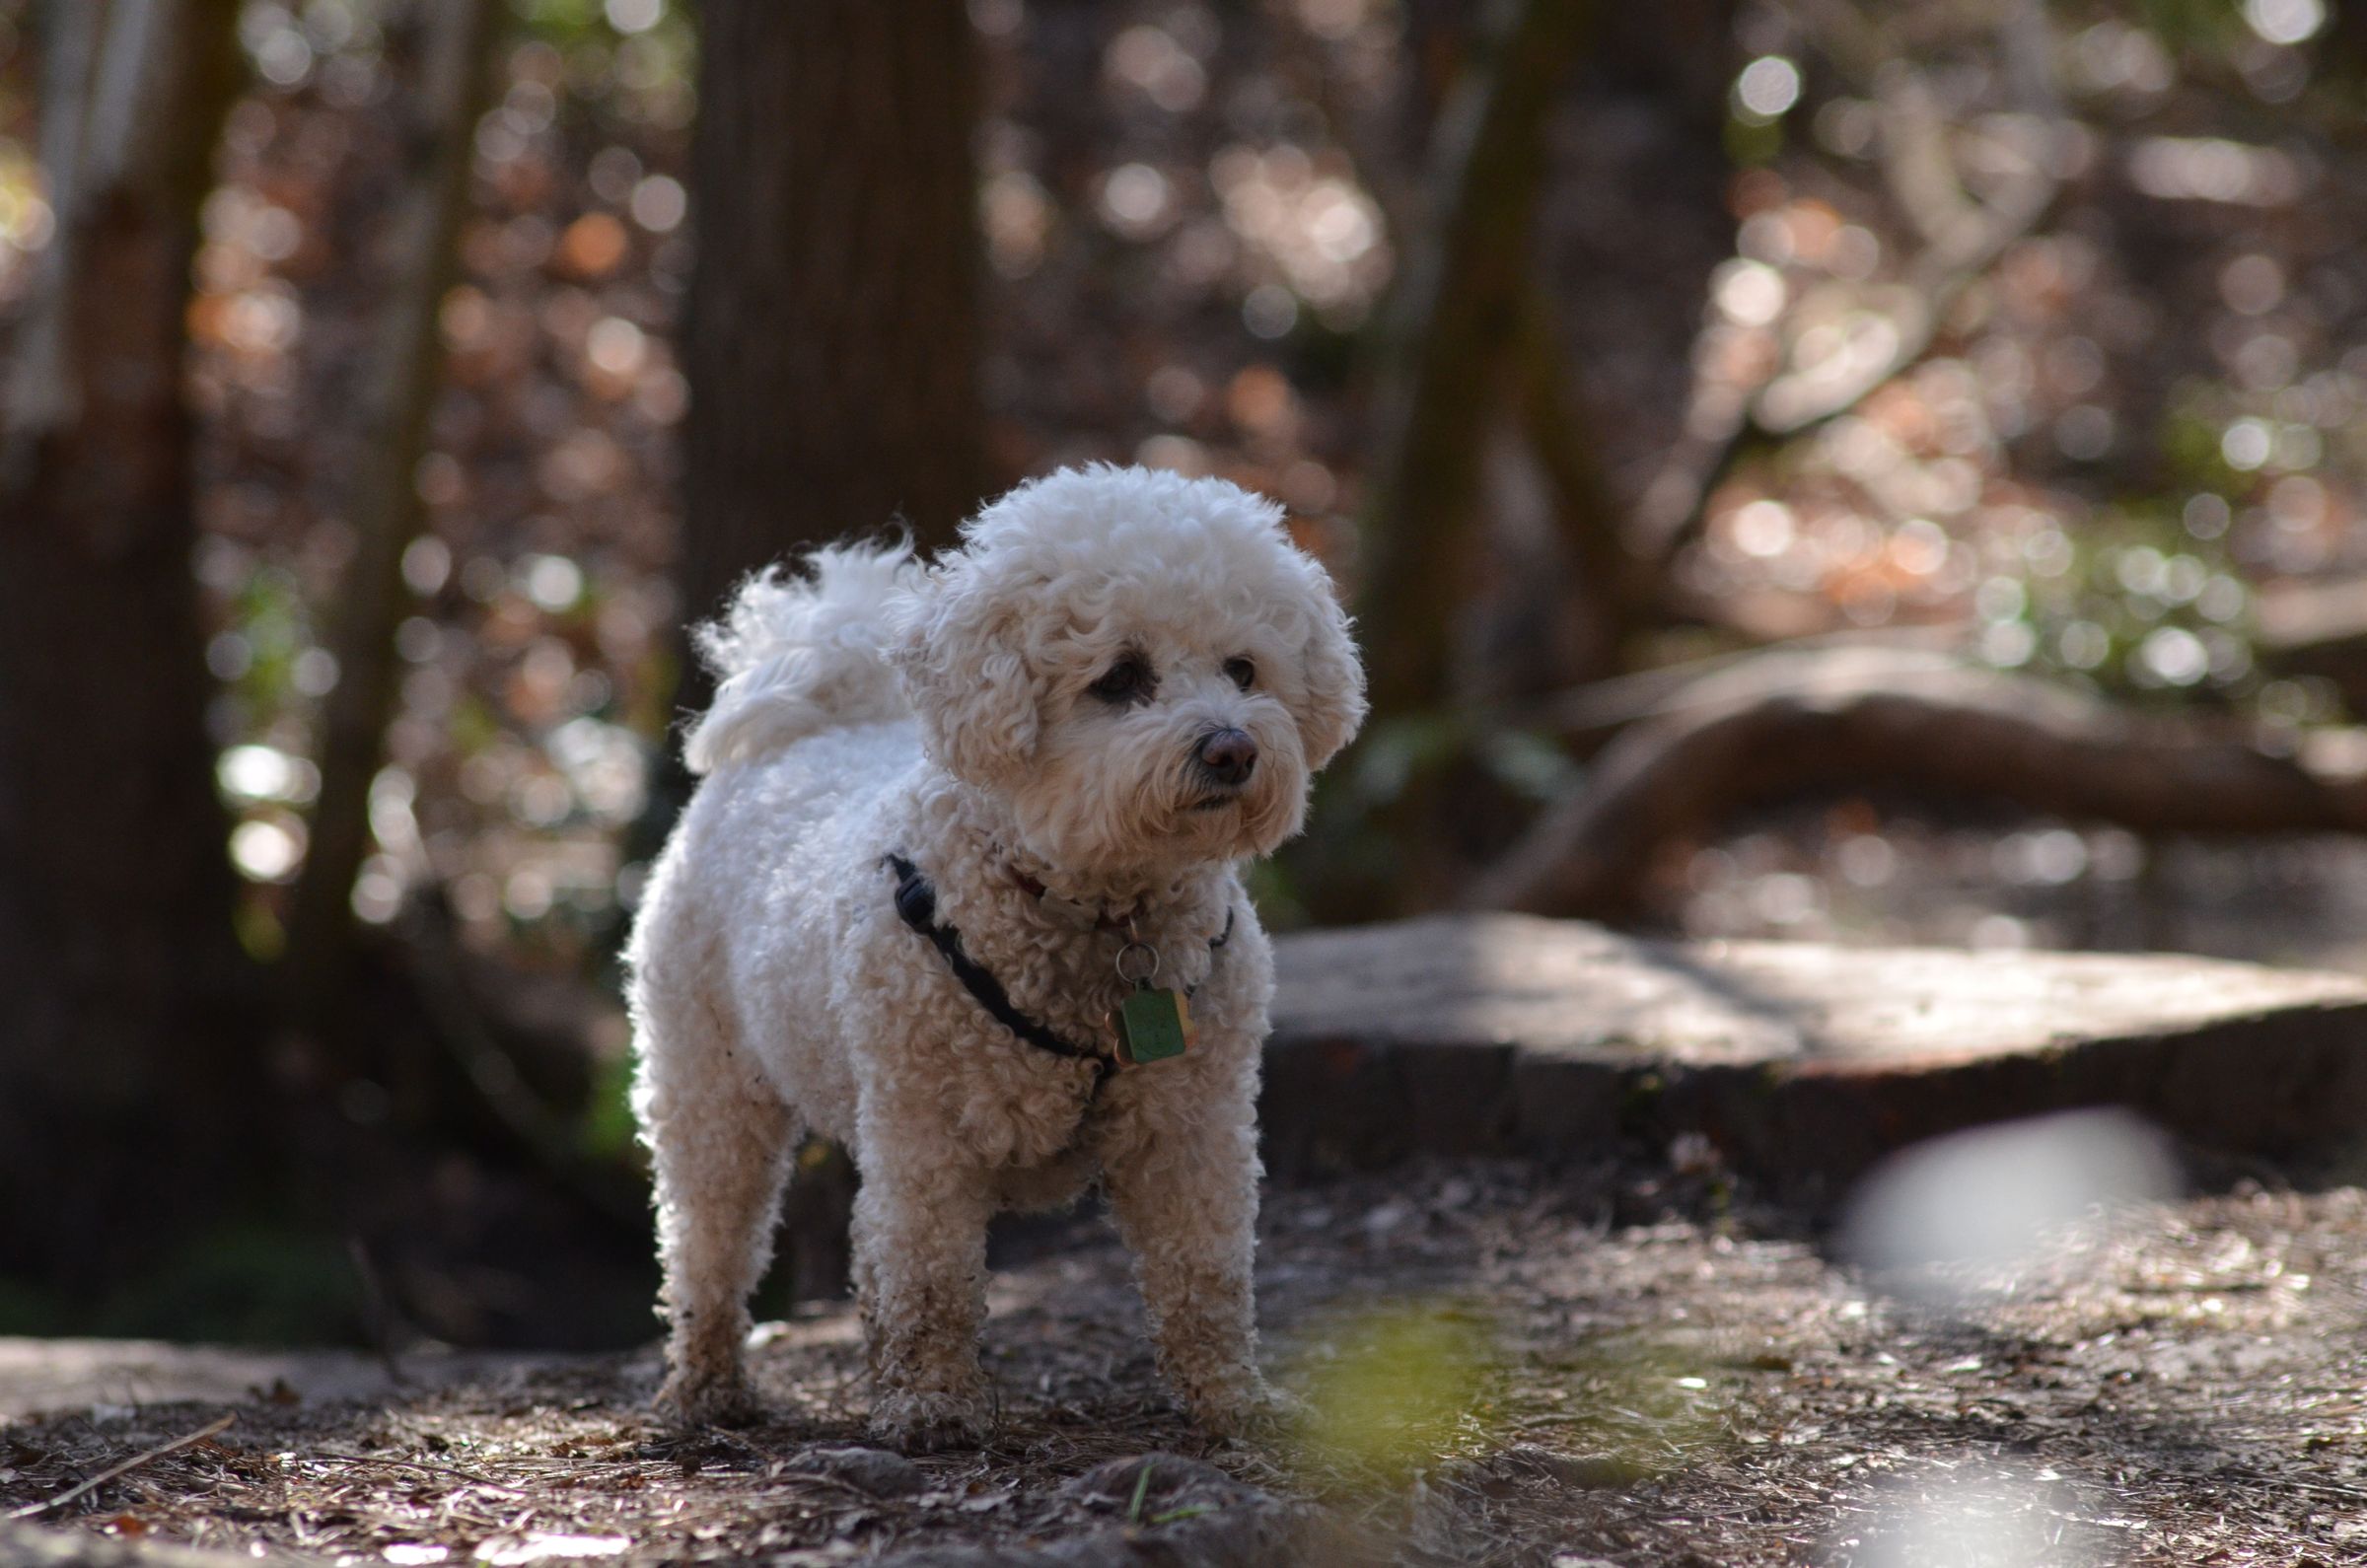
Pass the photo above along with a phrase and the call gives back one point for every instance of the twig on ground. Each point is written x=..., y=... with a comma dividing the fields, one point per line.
x=465, y=1476
x=35, y=1509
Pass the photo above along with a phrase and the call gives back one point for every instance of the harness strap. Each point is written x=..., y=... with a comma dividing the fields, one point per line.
x=917, y=906
x=917, y=902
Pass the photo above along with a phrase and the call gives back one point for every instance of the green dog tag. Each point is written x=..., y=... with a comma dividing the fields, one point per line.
x=1153, y=1026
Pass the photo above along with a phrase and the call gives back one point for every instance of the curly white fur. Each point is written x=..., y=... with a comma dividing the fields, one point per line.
x=950, y=714
x=795, y=656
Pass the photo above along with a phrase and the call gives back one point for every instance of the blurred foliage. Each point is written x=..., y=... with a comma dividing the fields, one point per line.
x=1186, y=239
x=1389, y=1390
x=2142, y=605
x=1393, y=1391
x=265, y=1281
x=629, y=62
x=608, y=1131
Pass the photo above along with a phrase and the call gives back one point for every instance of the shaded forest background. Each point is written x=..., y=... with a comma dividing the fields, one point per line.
x=1868, y=472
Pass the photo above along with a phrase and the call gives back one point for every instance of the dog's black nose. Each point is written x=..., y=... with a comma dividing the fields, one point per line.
x=1228, y=756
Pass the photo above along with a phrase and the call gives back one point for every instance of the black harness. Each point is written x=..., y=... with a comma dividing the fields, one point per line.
x=916, y=903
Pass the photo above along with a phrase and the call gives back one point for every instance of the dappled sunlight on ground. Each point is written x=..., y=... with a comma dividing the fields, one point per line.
x=1595, y=1365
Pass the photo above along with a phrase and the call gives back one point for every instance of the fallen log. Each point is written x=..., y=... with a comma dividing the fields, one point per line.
x=2318, y=628
x=1789, y=723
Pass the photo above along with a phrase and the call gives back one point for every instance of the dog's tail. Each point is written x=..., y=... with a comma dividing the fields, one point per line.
x=794, y=655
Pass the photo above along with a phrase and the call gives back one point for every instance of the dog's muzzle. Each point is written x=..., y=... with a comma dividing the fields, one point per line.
x=1225, y=758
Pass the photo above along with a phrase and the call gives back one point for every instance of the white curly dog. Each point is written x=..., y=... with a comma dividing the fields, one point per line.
x=953, y=818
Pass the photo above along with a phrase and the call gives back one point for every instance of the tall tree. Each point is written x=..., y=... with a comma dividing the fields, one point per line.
x=121, y=1077
x=832, y=338
x=1447, y=343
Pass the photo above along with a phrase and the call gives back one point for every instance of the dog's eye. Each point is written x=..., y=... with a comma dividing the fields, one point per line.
x=1240, y=673
x=1124, y=681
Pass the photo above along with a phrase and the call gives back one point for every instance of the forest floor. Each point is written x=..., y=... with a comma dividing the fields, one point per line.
x=1504, y=1367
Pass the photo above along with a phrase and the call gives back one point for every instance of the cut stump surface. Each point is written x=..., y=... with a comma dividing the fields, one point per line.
x=1803, y=1062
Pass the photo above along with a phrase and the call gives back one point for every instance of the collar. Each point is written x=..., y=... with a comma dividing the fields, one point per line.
x=917, y=906
x=1067, y=911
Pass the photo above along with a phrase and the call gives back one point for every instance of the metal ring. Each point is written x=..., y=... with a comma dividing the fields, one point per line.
x=1146, y=951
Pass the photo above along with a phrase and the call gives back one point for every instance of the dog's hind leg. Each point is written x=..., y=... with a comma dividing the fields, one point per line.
x=720, y=1139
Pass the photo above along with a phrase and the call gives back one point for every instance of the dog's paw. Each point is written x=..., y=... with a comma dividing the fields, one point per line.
x=1258, y=1413
x=692, y=1404
x=928, y=1423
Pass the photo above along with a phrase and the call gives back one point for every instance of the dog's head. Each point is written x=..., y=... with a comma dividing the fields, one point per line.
x=1143, y=666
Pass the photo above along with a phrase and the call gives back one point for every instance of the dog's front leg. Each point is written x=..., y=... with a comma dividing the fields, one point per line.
x=1184, y=1190
x=920, y=1267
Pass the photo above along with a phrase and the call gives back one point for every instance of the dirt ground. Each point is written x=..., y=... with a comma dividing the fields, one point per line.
x=1501, y=1367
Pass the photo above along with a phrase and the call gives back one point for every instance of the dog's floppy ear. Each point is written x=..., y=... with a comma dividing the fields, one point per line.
x=1334, y=674
x=966, y=674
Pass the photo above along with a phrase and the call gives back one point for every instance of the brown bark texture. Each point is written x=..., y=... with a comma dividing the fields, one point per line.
x=832, y=335
x=122, y=1079
x=1449, y=330
x=1858, y=719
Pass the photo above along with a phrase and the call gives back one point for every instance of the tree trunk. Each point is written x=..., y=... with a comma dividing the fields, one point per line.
x=832, y=337
x=1444, y=378
x=1609, y=595
x=454, y=85
x=124, y=1081
x=1448, y=336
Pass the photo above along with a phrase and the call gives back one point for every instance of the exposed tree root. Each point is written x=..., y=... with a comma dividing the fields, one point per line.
x=1859, y=717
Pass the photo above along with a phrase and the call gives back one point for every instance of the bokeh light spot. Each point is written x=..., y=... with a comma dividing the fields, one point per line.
x=2285, y=21
x=634, y=16
x=1933, y=1218
x=1767, y=86
x=2246, y=443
